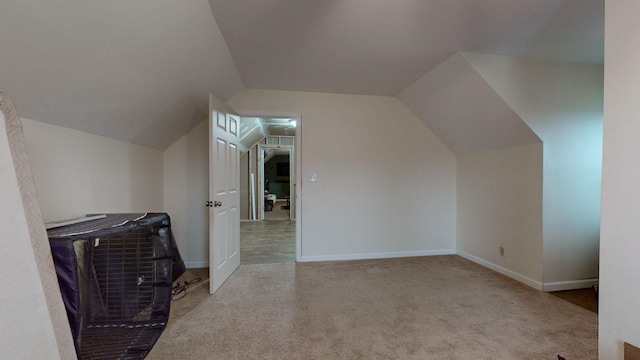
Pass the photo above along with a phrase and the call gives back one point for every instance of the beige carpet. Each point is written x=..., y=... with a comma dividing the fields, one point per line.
x=442, y=307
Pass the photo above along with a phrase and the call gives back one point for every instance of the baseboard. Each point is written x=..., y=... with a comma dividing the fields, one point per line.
x=367, y=256
x=196, y=264
x=569, y=285
x=514, y=275
x=547, y=287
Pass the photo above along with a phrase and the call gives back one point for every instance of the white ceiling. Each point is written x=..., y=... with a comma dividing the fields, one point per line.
x=465, y=112
x=279, y=126
x=140, y=71
x=253, y=129
x=380, y=47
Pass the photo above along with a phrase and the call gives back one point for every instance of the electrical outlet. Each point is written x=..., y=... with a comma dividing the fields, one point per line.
x=501, y=251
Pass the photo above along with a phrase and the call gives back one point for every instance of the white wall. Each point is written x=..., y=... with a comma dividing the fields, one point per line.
x=562, y=103
x=361, y=206
x=619, y=315
x=186, y=189
x=77, y=173
x=500, y=205
x=27, y=330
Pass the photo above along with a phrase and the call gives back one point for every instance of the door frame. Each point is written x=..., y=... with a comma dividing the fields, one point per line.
x=260, y=178
x=298, y=187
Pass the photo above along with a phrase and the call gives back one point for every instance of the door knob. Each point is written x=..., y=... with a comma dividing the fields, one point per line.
x=217, y=203
x=207, y=204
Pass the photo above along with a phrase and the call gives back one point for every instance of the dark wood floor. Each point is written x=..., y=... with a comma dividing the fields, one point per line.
x=586, y=298
x=263, y=242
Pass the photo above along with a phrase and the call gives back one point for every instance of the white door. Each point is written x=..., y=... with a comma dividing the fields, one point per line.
x=292, y=184
x=224, y=197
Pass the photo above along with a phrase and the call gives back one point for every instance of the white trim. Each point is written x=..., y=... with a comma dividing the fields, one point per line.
x=570, y=285
x=366, y=256
x=253, y=113
x=547, y=287
x=261, y=180
x=196, y=264
x=297, y=205
x=515, y=276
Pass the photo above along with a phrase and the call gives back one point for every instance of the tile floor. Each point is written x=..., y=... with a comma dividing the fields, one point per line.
x=278, y=212
x=264, y=242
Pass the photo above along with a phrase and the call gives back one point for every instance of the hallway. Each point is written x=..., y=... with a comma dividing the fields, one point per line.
x=264, y=242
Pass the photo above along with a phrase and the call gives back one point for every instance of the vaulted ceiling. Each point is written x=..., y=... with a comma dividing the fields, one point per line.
x=140, y=71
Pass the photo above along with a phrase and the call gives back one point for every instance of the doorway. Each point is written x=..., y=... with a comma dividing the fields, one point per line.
x=268, y=229
x=277, y=180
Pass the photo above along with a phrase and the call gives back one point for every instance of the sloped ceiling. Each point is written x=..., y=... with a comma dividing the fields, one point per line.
x=137, y=71
x=380, y=47
x=140, y=71
x=570, y=31
x=253, y=129
x=456, y=103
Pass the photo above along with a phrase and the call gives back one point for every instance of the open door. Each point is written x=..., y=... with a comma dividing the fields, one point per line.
x=224, y=196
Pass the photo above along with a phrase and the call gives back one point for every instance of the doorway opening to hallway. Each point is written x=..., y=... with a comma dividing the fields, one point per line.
x=268, y=164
